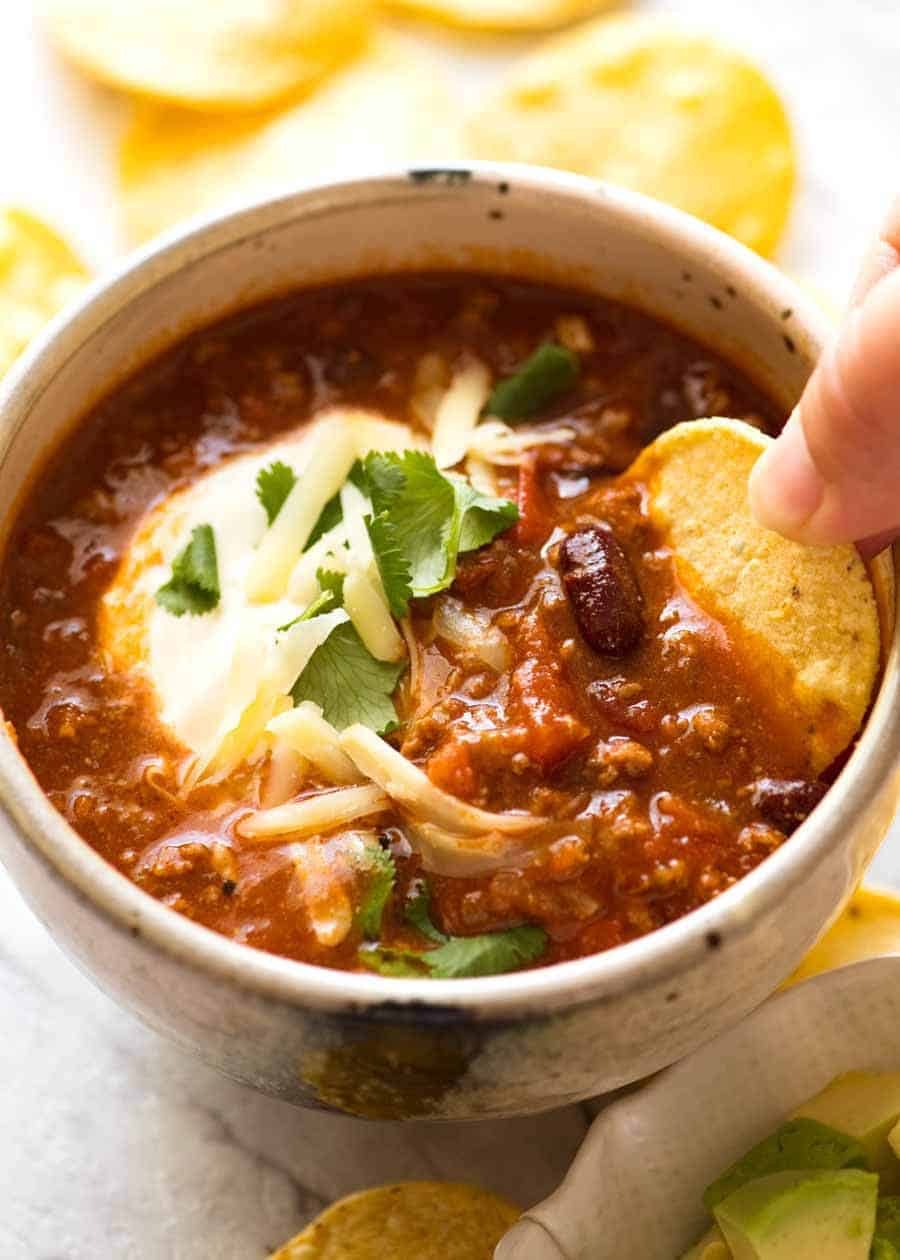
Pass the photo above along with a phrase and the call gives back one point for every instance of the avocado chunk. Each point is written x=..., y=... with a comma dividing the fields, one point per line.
x=882, y=1250
x=797, y=1145
x=887, y=1229
x=822, y=1215
x=865, y=1105
x=712, y=1246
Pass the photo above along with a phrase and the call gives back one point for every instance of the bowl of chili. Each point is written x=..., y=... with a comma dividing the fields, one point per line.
x=328, y=886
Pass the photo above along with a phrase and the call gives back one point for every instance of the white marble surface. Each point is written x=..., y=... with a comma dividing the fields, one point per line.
x=113, y=1142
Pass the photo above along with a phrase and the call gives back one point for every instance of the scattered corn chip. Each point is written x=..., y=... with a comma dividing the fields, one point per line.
x=39, y=274
x=414, y=1220
x=388, y=107
x=639, y=102
x=806, y=616
x=503, y=15
x=869, y=926
x=223, y=54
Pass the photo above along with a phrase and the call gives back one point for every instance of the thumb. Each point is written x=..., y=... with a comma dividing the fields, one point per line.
x=834, y=473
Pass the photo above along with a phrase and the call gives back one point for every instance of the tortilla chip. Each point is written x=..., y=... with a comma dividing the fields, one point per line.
x=869, y=927
x=503, y=15
x=39, y=274
x=413, y=1220
x=806, y=615
x=389, y=107
x=639, y=102
x=227, y=54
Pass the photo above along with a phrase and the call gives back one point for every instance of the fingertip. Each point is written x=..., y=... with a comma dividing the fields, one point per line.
x=786, y=488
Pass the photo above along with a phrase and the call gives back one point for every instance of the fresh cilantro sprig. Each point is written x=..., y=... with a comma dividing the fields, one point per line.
x=273, y=485
x=491, y=954
x=393, y=568
x=417, y=913
x=330, y=596
x=422, y=520
x=194, y=585
x=455, y=957
x=381, y=873
x=348, y=683
x=330, y=516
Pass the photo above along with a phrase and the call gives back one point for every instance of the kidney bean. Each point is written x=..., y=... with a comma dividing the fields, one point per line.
x=786, y=802
x=602, y=590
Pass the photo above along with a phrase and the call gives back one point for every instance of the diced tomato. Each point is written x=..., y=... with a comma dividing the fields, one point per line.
x=545, y=700
x=534, y=524
x=451, y=768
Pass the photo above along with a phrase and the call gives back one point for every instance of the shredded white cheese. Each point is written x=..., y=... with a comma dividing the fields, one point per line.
x=322, y=812
x=458, y=413
x=411, y=787
x=367, y=608
x=305, y=730
x=330, y=456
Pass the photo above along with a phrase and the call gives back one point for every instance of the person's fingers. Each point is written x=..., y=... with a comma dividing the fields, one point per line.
x=882, y=258
x=834, y=474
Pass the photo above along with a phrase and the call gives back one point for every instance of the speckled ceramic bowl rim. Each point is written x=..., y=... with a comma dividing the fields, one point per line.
x=668, y=950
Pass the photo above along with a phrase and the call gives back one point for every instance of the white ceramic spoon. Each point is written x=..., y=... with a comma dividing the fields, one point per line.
x=633, y=1192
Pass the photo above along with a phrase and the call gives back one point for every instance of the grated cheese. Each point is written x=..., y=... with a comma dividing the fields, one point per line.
x=411, y=787
x=458, y=413
x=305, y=730
x=332, y=451
x=367, y=607
x=322, y=812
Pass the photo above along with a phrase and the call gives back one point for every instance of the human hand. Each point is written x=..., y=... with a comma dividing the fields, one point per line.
x=834, y=473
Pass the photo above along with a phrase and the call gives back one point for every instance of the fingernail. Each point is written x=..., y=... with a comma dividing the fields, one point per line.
x=786, y=488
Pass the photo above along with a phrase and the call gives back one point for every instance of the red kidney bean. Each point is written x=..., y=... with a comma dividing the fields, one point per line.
x=786, y=802
x=602, y=590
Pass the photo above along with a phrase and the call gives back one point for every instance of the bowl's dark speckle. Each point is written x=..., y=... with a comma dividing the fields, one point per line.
x=440, y=175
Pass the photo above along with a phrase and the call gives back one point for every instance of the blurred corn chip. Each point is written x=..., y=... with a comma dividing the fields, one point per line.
x=388, y=107
x=208, y=54
x=413, y=1220
x=39, y=274
x=503, y=15
x=869, y=927
x=639, y=102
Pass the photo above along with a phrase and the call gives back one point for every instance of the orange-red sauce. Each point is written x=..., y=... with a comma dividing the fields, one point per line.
x=644, y=762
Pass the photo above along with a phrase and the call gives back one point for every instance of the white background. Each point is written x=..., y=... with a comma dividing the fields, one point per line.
x=113, y=1143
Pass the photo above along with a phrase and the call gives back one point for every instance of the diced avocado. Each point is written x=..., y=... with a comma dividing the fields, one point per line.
x=797, y=1145
x=865, y=1105
x=712, y=1246
x=887, y=1228
x=823, y=1215
x=882, y=1250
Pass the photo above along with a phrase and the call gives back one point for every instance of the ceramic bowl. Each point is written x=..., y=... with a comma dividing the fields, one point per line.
x=635, y=1188
x=364, y=1044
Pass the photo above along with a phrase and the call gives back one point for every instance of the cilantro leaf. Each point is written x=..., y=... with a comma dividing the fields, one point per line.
x=330, y=596
x=550, y=371
x=194, y=585
x=392, y=567
x=383, y=479
x=273, y=485
x=393, y=962
x=423, y=516
x=417, y=912
x=483, y=517
x=487, y=955
x=348, y=683
x=330, y=516
x=424, y=520
x=382, y=874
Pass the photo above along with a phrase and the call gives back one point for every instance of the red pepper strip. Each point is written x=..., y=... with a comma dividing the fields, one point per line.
x=533, y=525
